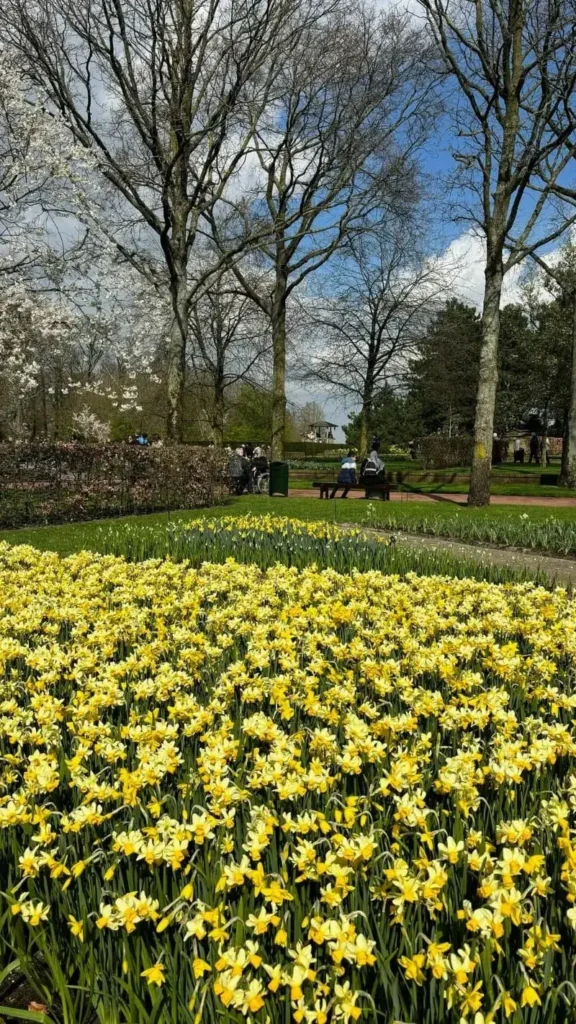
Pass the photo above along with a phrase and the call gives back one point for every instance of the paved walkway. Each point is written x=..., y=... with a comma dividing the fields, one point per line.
x=459, y=499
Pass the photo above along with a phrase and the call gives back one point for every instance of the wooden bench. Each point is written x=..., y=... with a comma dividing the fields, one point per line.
x=381, y=488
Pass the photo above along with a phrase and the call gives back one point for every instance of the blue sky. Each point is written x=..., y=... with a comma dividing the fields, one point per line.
x=436, y=162
x=456, y=240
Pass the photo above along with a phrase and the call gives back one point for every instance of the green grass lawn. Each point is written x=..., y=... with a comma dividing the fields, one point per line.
x=533, y=527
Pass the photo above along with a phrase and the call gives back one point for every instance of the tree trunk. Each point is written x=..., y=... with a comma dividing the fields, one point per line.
x=544, y=438
x=57, y=404
x=479, y=492
x=366, y=413
x=19, y=419
x=564, y=454
x=363, y=446
x=568, y=471
x=218, y=414
x=44, y=405
x=278, y=319
x=175, y=371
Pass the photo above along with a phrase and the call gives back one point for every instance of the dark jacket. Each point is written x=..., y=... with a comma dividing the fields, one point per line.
x=347, y=474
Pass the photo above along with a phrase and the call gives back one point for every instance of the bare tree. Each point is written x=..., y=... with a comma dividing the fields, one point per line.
x=152, y=91
x=513, y=66
x=379, y=300
x=304, y=416
x=332, y=148
x=232, y=343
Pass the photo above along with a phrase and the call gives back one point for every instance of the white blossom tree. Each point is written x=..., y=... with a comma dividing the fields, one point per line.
x=40, y=166
x=156, y=95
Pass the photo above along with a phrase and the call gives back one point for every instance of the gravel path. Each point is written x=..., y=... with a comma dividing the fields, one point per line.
x=561, y=571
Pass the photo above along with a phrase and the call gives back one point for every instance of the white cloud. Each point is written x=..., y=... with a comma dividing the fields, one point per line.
x=464, y=260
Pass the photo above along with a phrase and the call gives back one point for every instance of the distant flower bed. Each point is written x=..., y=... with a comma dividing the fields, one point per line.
x=262, y=540
x=321, y=464
x=277, y=540
x=65, y=482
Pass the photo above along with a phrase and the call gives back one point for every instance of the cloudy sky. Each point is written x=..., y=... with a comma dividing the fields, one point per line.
x=458, y=243
x=465, y=252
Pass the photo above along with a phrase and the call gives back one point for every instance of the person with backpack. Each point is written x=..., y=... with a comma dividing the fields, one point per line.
x=373, y=467
x=347, y=476
x=373, y=470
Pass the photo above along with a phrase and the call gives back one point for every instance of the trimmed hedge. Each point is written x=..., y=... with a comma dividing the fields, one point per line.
x=67, y=482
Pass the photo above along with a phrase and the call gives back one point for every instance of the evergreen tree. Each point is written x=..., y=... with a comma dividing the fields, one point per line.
x=444, y=376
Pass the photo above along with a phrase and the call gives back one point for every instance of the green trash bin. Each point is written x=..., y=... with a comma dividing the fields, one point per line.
x=278, y=479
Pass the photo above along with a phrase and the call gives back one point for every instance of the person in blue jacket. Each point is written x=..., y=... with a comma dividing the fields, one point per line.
x=347, y=475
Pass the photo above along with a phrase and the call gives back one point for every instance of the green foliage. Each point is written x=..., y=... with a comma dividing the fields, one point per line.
x=444, y=375
x=534, y=370
x=395, y=418
x=250, y=417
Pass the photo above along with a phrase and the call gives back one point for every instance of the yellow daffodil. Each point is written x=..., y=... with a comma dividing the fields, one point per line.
x=155, y=975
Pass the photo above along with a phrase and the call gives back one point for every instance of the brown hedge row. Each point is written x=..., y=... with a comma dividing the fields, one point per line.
x=65, y=482
x=440, y=452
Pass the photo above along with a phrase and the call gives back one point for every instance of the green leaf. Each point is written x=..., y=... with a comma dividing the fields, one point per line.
x=13, y=1011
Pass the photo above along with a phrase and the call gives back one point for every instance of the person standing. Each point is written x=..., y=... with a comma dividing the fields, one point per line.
x=236, y=470
x=347, y=475
x=518, y=450
x=534, y=449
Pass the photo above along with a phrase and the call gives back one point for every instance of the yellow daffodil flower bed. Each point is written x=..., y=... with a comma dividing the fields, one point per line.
x=275, y=526
x=264, y=540
x=229, y=794
x=269, y=540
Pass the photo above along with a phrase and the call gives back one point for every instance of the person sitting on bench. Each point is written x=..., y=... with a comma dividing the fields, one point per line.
x=347, y=475
x=373, y=470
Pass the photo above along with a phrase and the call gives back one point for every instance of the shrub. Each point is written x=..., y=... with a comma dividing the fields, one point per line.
x=55, y=482
x=439, y=451
x=88, y=427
